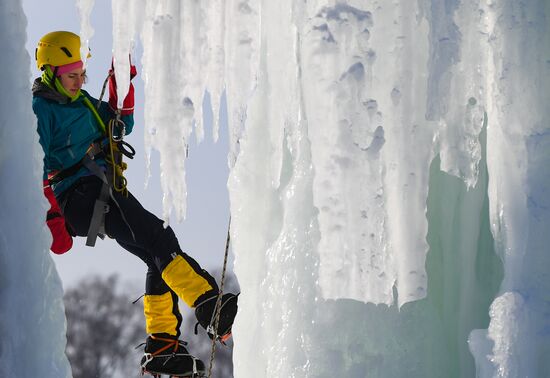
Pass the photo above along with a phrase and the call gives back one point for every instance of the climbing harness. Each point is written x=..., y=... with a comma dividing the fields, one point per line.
x=114, y=179
x=219, y=302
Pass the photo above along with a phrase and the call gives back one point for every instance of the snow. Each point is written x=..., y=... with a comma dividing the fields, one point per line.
x=389, y=176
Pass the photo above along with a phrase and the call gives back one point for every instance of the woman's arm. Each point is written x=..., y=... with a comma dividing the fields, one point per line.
x=127, y=111
x=61, y=240
x=44, y=128
x=107, y=113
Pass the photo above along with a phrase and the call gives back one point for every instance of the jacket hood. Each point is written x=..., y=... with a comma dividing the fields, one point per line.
x=39, y=89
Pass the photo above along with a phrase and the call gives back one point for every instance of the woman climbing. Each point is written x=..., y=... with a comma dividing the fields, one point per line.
x=81, y=139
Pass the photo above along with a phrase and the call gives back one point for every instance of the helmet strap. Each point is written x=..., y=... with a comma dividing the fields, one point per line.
x=48, y=77
x=54, y=83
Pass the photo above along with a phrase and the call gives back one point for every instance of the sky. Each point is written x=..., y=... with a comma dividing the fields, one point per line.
x=202, y=235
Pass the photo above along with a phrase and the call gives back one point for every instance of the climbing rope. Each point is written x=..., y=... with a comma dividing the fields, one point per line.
x=111, y=73
x=219, y=301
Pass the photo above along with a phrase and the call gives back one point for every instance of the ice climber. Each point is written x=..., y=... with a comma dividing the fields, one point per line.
x=81, y=139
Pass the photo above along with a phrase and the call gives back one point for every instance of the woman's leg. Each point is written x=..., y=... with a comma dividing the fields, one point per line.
x=178, y=270
x=139, y=228
x=160, y=304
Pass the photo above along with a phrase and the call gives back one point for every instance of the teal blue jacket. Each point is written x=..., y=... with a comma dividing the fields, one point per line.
x=67, y=128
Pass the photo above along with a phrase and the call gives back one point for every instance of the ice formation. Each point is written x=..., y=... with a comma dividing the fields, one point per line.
x=383, y=155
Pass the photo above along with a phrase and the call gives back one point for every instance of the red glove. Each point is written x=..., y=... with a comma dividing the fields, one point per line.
x=62, y=240
x=128, y=104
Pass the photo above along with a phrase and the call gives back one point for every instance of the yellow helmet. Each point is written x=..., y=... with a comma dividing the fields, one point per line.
x=57, y=49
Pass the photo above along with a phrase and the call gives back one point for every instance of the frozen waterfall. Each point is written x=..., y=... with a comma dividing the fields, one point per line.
x=389, y=185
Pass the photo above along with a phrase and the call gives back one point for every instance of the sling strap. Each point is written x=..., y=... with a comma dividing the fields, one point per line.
x=94, y=151
x=101, y=206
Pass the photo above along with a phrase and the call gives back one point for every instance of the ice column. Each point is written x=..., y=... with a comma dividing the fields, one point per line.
x=274, y=220
x=518, y=158
x=365, y=97
x=32, y=319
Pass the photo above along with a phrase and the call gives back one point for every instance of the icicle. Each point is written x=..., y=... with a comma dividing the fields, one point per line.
x=86, y=30
x=517, y=82
x=32, y=317
x=457, y=90
x=241, y=65
x=124, y=18
x=215, y=55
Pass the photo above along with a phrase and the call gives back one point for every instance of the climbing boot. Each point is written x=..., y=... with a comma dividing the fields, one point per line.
x=166, y=355
x=205, y=312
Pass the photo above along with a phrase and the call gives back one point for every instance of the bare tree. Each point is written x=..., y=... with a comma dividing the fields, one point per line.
x=103, y=327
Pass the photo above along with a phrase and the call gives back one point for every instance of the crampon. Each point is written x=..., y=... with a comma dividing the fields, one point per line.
x=157, y=375
x=166, y=355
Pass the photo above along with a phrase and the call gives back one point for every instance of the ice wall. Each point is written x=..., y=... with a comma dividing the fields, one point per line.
x=32, y=320
x=381, y=153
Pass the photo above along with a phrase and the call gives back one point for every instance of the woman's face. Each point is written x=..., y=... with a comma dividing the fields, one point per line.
x=72, y=81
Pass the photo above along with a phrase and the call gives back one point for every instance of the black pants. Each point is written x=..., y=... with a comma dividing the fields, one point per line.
x=147, y=239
